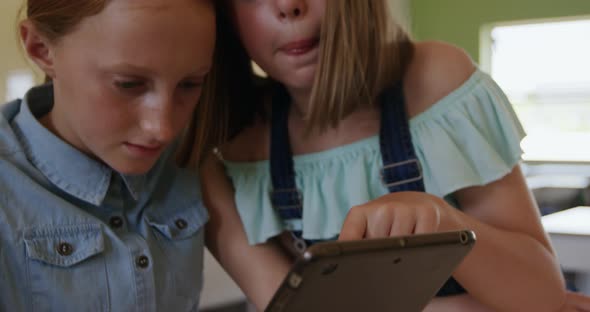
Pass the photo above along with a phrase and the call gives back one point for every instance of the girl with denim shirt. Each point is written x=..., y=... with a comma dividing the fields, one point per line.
x=94, y=213
x=361, y=133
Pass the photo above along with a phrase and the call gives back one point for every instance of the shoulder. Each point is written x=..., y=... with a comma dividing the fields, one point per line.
x=250, y=145
x=8, y=141
x=14, y=185
x=436, y=70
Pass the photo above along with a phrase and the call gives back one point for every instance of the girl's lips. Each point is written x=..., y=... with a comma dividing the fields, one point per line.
x=299, y=47
x=143, y=150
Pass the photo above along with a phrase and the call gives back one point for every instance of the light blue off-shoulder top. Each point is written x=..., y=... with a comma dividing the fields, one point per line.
x=470, y=137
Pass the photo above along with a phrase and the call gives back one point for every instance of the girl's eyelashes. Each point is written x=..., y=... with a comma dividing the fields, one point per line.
x=128, y=85
x=190, y=84
x=140, y=85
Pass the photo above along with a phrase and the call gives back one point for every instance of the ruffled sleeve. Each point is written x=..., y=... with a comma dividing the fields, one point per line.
x=470, y=137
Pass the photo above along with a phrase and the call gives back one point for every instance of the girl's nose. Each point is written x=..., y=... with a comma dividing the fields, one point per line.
x=157, y=123
x=292, y=9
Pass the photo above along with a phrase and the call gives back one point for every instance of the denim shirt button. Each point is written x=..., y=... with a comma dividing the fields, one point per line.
x=181, y=224
x=116, y=222
x=65, y=249
x=142, y=261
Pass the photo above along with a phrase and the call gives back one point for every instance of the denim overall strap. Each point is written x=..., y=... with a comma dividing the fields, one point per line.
x=285, y=197
x=401, y=169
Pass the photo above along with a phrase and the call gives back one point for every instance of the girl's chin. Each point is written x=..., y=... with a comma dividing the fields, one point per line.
x=302, y=80
x=132, y=167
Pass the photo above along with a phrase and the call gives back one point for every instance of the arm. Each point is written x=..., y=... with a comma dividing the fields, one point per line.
x=510, y=268
x=576, y=302
x=512, y=254
x=517, y=262
x=258, y=270
x=459, y=303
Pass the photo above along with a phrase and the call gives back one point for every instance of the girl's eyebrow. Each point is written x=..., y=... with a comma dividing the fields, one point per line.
x=130, y=67
x=136, y=69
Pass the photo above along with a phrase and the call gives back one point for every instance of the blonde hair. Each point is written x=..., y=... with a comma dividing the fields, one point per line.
x=362, y=51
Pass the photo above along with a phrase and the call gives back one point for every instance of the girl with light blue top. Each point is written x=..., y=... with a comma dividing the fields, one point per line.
x=94, y=213
x=360, y=133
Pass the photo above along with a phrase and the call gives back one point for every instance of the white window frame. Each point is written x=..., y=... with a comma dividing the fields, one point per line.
x=485, y=63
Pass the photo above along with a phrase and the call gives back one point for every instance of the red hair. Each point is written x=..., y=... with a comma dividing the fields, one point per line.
x=56, y=18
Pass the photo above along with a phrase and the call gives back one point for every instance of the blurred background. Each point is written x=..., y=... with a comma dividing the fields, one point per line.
x=537, y=50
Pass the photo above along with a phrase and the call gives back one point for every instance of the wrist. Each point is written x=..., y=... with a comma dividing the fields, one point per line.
x=451, y=219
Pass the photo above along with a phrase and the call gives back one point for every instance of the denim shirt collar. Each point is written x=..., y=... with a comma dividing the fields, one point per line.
x=65, y=166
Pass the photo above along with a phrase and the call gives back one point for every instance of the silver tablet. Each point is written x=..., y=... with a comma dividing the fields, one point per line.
x=391, y=274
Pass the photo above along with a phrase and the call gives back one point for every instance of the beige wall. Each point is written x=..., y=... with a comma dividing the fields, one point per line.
x=11, y=56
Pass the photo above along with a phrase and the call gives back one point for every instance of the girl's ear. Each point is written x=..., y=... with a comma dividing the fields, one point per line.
x=37, y=47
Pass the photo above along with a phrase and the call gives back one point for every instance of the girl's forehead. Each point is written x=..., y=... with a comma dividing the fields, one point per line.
x=160, y=4
x=146, y=33
x=146, y=4
x=172, y=12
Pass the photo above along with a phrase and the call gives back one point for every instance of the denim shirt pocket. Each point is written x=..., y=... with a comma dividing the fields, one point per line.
x=180, y=234
x=66, y=270
x=180, y=224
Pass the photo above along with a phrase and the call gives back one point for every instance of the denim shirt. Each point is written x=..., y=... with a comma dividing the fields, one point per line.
x=77, y=236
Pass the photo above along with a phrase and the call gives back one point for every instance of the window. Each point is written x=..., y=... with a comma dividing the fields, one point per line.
x=544, y=68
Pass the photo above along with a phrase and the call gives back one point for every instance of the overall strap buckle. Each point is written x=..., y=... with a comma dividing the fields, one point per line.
x=388, y=172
